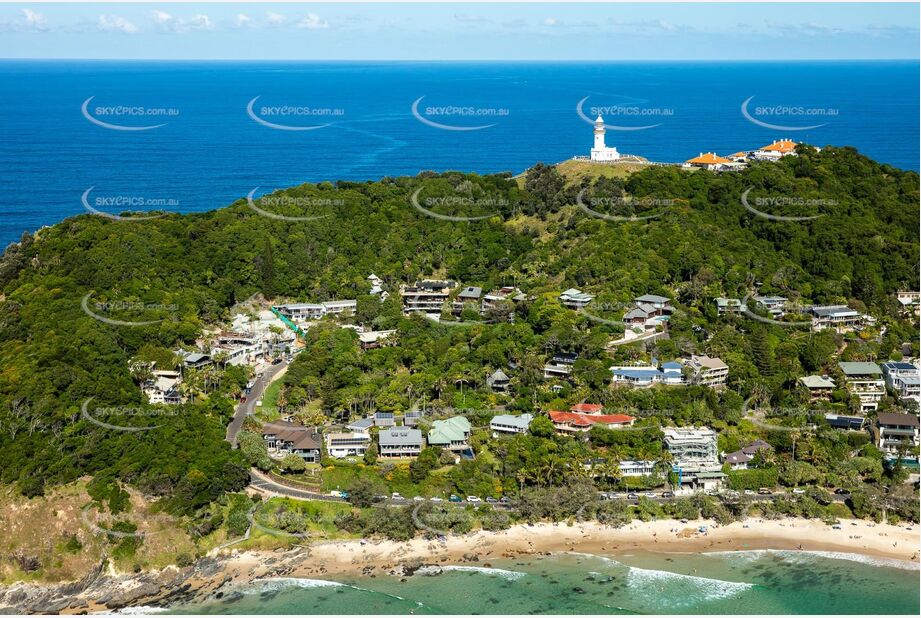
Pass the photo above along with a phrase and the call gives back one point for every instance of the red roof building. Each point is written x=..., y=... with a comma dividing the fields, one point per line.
x=583, y=416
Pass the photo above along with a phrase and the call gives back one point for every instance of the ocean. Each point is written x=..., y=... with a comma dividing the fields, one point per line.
x=309, y=122
x=745, y=582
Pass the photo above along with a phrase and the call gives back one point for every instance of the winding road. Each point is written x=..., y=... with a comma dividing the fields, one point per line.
x=244, y=409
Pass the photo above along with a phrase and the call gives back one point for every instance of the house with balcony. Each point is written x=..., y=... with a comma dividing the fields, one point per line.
x=583, y=416
x=377, y=287
x=819, y=388
x=372, y=339
x=726, y=306
x=352, y=444
x=695, y=457
x=399, y=442
x=509, y=424
x=707, y=371
x=285, y=438
x=865, y=380
x=633, y=467
x=646, y=375
x=575, y=299
x=649, y=310
x=841, y=318
x=740, y=459
x=772, y=152
x=774, y=305
x=505, y=294
x=897, y=432
x=426, y=296
x=909, y=301
x=163, y=387
x=560, y=365
x=451, y=434
x=498, y=381
x=904, y=379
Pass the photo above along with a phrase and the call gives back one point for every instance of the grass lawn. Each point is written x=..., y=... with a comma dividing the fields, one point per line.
x=269, y=409
x=396, y=478
x=318, y=516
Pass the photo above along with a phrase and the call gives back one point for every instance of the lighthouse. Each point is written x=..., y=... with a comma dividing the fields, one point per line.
x=600, y=152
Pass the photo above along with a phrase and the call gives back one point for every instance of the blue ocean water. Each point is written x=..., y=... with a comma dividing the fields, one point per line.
x=733, y=583
x=209, y=151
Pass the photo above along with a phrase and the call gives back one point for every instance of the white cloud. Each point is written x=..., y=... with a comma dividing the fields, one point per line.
x=35, y=21
x=176, y=25
x=312, y=22
x=275, y=19
x=115, y=23
x=552, y=21
x=241, y=20
x=466, y=18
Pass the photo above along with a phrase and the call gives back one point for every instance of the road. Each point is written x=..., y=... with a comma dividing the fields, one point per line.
x=271, y=373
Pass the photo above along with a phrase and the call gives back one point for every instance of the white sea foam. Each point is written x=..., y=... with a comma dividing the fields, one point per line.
x=802, y=555
x=140, y=610
x=604, y=559
x=504, y=573
x=698, y=588
x=281, y=583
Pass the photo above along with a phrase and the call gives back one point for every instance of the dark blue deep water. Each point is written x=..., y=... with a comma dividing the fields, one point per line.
x=209, y=152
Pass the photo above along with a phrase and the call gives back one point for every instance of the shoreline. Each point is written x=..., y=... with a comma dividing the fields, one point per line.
x=215, y=578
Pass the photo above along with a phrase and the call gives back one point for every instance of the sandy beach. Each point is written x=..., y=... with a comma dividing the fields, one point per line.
x=220, y=575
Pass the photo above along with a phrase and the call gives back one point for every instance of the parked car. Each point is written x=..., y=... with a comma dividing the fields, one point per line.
x=473, y=499
x=841, y=491
x=650, y=494
x=797, y=490
x=632, y=497
x=764, y=491
x=396, y=496
x=503, y=500
x=749, y=492
x=454, y=498
x=668, y=494
x=436, y=499
x=418, y=499
x=491, y=500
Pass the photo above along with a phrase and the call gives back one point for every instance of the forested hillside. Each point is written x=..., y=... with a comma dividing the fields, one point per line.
x=181, y=272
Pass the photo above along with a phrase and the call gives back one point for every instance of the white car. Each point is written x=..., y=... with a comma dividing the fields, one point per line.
x=418, y=499
x=797, y=490
x=473, y=499
x=436, y=499
x=396, y=496
x=749, y=492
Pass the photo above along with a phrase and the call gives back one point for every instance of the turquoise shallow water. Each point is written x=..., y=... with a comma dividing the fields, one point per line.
x=750, y=582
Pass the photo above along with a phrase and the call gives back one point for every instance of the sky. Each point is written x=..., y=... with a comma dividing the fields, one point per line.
x=393, y=31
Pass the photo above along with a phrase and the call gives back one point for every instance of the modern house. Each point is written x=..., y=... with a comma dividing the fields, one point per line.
x=865, y=380
x=193, y=360
x=362, y=425
x=308, y=312
x=575, y=299
x=504, y=294
x=775, y=305
x=451, y=434
x=560, y=365
x=353, y=444
x=582, y=417
x=841, y=318
x=509, y=424
x=845, y=421
x=163, y=388
x=728, y=305
x=631, y=467
x=498, y=381
x=649, y=311
x=707, y=371
x=284, y=437
x=375, y=339
x=897, y=432
x=694, y=456
x=740, y=459
x=240, y=348
x=644, y=376
x=819, y=388
x=910, y=301
x=426, y=296
x=397, y=442
x=904, y=379
x=470, y=294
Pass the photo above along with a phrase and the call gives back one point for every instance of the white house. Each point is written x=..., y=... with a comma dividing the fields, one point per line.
x=509, y=424
x=865, y=380
x=904, y=379
x=353, y=444
x=575, y=299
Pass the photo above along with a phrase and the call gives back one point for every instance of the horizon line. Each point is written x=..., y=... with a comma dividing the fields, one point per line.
x=470, y=60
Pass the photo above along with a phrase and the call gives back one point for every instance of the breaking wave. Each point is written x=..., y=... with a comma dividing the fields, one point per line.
x=684, y=589
x=503, y=573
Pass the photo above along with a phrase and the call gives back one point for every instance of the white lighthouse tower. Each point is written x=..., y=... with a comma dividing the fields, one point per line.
x=600, y=152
